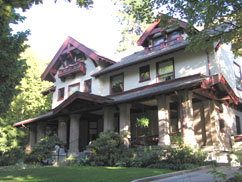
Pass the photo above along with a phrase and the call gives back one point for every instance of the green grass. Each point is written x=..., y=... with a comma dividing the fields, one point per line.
x=80, y=174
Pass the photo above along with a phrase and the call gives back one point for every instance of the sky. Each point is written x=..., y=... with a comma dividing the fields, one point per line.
x=50, y=23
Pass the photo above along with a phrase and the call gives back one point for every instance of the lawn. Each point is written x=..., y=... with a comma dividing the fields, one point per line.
x=80, y=174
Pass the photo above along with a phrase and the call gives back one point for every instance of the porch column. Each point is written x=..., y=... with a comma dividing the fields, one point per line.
x=74, y=134
x=32, y=136
x=40, y=131
x=163, y=119
x=108, y=119
x=188, y=128
x=62, y=129
x=124, y=122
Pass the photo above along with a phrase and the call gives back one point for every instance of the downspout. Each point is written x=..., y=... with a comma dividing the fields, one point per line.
x=208, y=63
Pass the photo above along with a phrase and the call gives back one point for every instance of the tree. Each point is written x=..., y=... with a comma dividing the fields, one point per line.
x=133, y=28
x=12, y=67
x=27, y=103
x=221, y=20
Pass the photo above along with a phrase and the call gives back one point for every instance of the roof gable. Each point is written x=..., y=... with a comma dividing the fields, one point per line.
x=67, y=47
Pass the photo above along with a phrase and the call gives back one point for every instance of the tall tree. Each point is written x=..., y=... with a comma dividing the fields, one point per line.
x=132, y=27
x=221, y=20
x=12, y=67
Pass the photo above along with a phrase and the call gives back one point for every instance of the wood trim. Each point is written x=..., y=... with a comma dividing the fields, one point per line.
x=110, y=83
x=86, y=85
x=72, y=85
x=163, y=61
x=140, y=79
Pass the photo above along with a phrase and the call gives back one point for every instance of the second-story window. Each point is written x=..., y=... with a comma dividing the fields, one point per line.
x=144, y=73
x=73, y=88
x=237, y=73
x=61, y=94
x=88, y=86
x=117, y=84
x=165, y=70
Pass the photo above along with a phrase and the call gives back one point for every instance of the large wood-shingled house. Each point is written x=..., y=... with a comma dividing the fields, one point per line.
x=197, y=95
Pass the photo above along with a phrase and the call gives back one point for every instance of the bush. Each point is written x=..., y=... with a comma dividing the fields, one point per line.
x=43, y=149
x=108, y=150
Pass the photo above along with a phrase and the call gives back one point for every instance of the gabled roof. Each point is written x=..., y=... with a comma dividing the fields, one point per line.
x=69, y=45
x=155, y=25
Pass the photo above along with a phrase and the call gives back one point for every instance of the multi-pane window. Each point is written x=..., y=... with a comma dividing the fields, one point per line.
x=165, y=70
x=237, y=73
x=117, y=84
x=88, y=86
x=61, y=93
x=73, y=88
x=144, y=73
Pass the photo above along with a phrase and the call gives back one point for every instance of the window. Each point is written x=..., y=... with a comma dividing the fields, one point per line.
x=117, y=83
x=165, y=70
x=221, y=125
x=88, y=86
x=73, y=88
x=61, y=93
x=237, y=73
x=144, y=73
x=238, y=127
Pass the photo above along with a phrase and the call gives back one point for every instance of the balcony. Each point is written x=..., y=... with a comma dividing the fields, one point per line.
x=72, y=70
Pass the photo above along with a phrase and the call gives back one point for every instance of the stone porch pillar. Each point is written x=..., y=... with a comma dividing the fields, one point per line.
x=32, y=136
x=163, y=119
x=188, y=128
x=124, y=121
x=40, y=130
x=74, y=134
x=62, y=128
x=108, y=119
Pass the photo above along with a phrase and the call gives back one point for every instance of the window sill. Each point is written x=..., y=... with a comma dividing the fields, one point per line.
x=60, y=99
x=144, y=80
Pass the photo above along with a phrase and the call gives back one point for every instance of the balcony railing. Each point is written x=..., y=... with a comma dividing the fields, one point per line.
x=165, y=44
x=72, y=69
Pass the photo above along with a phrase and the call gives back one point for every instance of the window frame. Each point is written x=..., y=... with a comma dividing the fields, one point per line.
x=157, y=70
x=59, y=94
x=140, y=77
x=72, y=85
x=85, y=86
x=110, y=85
x=236, y=64
x=238, y=126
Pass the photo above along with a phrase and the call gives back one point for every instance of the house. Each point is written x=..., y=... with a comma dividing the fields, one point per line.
x=197, y=95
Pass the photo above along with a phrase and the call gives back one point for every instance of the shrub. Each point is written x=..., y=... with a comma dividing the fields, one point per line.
x=43, y=149
x=107, y=150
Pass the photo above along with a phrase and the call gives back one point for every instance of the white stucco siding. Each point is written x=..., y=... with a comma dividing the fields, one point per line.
x=223, y=63
x=185, y=64
x=190, y=64
x=79, y=78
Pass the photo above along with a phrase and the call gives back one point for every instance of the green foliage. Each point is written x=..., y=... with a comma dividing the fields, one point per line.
x=132, y=27
x=43, y=149
x=206, y=14
x=143, y=122
x=107, y=149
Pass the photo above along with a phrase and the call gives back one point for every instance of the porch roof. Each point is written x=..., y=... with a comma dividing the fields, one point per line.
x=214, y=87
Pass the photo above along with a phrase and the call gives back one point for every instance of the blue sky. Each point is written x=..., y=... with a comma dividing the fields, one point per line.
x=50, y=23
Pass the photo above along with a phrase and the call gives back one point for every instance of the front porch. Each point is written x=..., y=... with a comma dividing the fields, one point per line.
x=179, y=107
